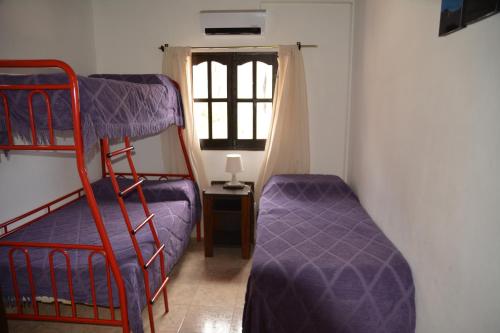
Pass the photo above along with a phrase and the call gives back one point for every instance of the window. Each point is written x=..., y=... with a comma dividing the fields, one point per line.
x=233, y=95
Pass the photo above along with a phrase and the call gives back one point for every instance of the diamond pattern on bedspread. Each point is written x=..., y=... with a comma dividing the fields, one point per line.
x=322, y=265
x=124, y=105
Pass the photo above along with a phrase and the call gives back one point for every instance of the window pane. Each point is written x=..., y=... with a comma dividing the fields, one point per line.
x=264, y=80
x=201, y=119
x=219, y=80
x=200, y=80
x=245, y=80
x=264, y=116
x=245, y=120
x=219, y=120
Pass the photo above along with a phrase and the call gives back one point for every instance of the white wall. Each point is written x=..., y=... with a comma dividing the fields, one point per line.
x=127, y=34
x=43, y=29
x=48, y=29
x=424, y=154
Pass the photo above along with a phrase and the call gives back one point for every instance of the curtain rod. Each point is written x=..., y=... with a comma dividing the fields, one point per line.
x=164, y=47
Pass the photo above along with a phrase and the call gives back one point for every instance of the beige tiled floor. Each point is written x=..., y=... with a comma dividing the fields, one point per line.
x=206, y=295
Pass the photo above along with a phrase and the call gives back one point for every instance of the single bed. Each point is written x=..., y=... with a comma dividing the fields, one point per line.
x=177, y=208
x=321, y=264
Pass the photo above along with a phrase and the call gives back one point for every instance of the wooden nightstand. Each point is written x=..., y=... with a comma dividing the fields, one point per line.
x=233, y=205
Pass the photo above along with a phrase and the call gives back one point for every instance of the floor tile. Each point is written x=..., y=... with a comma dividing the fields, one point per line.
x=215, y=294
x=180, y=293
x=207, y=319
x=22, y=326
x=166, y=322
x=237, y=320
x=241, y=292
x=189, y=271
x=227, y=274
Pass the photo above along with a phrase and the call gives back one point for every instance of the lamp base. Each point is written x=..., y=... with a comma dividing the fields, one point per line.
x=233, y=185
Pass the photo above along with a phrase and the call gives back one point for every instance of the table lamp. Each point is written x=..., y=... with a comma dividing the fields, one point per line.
x=233, y=166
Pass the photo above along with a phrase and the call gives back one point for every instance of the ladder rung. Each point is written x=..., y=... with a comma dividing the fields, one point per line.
x=143, y=223
x=157, y=293
x=120, y=151
x=150, y=261
x=130, y=188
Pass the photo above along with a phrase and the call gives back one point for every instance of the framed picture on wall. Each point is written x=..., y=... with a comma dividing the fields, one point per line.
x=451, y=16
x=477, y=10
x=457, y=14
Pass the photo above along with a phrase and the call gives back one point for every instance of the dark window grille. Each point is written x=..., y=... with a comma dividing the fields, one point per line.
x=232, y=61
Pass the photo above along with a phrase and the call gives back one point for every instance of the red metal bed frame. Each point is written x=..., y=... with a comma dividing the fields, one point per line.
x=105, y=249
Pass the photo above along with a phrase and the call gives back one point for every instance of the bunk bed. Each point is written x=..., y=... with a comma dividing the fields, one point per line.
x=110, y=243
x=321, y=264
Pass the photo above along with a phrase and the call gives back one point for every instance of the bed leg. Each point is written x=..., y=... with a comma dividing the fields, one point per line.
x=151, y=318
x=165, y=299
x=3, y=318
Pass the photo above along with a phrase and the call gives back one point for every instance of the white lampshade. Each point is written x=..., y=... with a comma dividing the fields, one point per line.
x=233, y=163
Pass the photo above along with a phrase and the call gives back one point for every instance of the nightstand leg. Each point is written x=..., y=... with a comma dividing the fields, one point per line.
x=208, y=225
x=245, y=227
x=198, y=231
x=252, y=220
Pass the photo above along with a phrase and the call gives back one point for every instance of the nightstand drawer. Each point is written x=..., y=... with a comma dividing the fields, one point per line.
x=226, y=204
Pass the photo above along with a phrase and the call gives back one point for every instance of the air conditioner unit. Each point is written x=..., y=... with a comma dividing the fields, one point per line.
x=233, y=22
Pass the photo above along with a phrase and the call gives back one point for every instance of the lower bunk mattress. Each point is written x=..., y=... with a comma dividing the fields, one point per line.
x=321, y=264
x=177, y=208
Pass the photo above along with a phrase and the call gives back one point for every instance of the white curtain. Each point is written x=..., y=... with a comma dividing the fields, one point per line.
x=177, y=65
x=287, y=147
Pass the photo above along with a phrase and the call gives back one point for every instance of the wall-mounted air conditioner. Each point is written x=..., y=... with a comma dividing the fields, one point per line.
x=233, y=22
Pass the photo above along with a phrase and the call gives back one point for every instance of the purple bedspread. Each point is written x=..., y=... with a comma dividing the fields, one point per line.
x=174, y=222
x=110, y=105
x=322, y=265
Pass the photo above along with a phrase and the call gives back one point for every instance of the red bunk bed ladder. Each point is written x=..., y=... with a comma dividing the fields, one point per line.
x=120, y=193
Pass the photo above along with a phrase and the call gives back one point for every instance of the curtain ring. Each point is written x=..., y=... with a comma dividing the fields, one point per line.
x=299, y=45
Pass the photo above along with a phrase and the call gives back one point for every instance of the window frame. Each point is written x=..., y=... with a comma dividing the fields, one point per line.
x=232, y=60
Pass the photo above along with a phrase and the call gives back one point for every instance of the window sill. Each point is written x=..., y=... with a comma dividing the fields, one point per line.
x=214, y=144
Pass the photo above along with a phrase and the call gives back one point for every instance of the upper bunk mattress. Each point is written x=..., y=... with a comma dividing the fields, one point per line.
x=174, y=221
x=110, y=105
x=321, y=264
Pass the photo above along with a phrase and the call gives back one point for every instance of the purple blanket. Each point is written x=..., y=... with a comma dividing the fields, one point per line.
x=174, y=222
x=111, y=106
x=322, y=265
